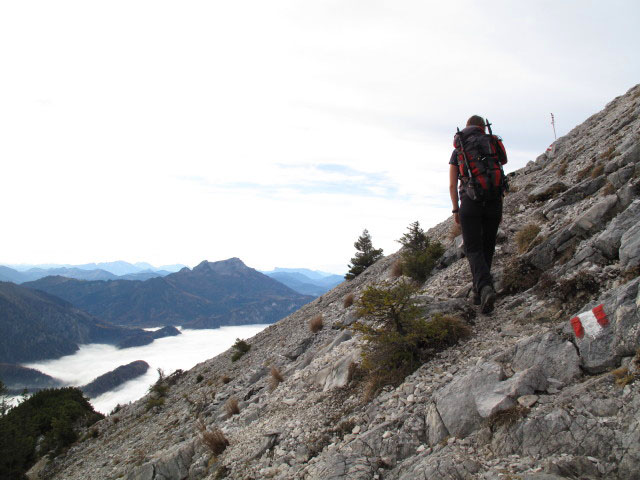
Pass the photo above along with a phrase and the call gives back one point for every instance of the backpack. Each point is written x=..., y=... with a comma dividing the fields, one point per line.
x=482, y=154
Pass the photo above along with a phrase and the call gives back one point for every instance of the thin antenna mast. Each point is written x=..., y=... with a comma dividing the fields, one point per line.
x=553, y=124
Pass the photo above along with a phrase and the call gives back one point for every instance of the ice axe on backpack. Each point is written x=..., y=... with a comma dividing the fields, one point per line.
x=504, y=179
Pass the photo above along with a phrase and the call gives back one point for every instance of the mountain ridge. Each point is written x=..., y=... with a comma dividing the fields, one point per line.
x=211, y=294
x=60, y=326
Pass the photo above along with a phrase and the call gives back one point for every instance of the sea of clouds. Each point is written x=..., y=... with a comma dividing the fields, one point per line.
x=169, y=354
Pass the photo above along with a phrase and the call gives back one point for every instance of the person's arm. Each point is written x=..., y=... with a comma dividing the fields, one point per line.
x=453, y=191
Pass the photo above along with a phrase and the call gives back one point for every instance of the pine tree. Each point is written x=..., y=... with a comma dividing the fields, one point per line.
x=415, y=239
x=420, y=254
x=365, y=256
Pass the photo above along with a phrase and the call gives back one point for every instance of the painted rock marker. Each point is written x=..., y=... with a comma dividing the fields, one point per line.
x=591, y=323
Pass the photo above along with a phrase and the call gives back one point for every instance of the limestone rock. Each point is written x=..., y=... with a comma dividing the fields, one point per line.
x=556, y=357
x=630, y=247
x=469, y=400
x=609, y=240
x=337, y=374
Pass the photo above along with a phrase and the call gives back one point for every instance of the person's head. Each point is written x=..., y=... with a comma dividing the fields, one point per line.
x=476, y=121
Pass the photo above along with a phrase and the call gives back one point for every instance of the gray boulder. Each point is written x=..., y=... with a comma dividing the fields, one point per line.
x=337, y=374
x=608, y=242
x=547, y=190
x=620, y=177
x=452, y=254
x=630, y=247
x=468, y=401
x=576, y=193
x=556, y=357
x=169, y=465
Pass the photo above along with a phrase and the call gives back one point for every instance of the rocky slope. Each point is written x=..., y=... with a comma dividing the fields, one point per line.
x=523, y=398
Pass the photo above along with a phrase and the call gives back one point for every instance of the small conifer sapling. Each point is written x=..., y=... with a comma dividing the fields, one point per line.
x=365, y=256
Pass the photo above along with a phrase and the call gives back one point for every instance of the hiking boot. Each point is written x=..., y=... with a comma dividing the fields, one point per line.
x=487, y=299
x=476, y=299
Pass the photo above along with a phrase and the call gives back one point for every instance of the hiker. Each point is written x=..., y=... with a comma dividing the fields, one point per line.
x=480, y=195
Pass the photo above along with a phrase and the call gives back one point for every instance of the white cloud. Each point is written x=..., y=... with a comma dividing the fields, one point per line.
x=155, y=131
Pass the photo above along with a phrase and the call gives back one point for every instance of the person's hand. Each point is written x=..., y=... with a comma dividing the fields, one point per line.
x=456, y=217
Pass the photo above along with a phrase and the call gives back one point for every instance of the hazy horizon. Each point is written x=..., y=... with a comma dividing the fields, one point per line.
x=22, y=267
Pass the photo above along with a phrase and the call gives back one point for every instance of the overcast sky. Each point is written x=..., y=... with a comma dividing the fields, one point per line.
x=275, y=131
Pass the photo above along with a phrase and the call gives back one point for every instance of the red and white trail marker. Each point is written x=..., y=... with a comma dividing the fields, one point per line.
x=591, y=323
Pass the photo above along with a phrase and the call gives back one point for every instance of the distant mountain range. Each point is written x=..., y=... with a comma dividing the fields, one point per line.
x=209, y=296
x=117, y=268
x=305, y=281
x=91, y=271
x=37, y=326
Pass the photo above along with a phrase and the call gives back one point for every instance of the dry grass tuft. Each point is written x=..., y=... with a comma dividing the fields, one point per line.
x=609, y=189
x=631, y=273
x=519, y=276
x=213, y=439
x=225, y=379
x=276, y=378
x=507, y=417
x=396, y=269
x=526, y=236
x=348, y=300
x=584, y=173
x=316, y=323
x=608, y=154
x=562, y=169
x=231, y=407
x=623, y=377
x=597, y=171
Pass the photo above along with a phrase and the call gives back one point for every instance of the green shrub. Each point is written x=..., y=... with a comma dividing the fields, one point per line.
x=54, y=415
x=153, y=402
x=398, y=339
x=241, y=347
x=365, y=256
x=419, y=255
x=526, y=236
x=158, y=391
x=199, y=378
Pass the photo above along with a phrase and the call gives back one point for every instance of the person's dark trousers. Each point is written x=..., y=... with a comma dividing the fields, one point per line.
x=479, y=222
